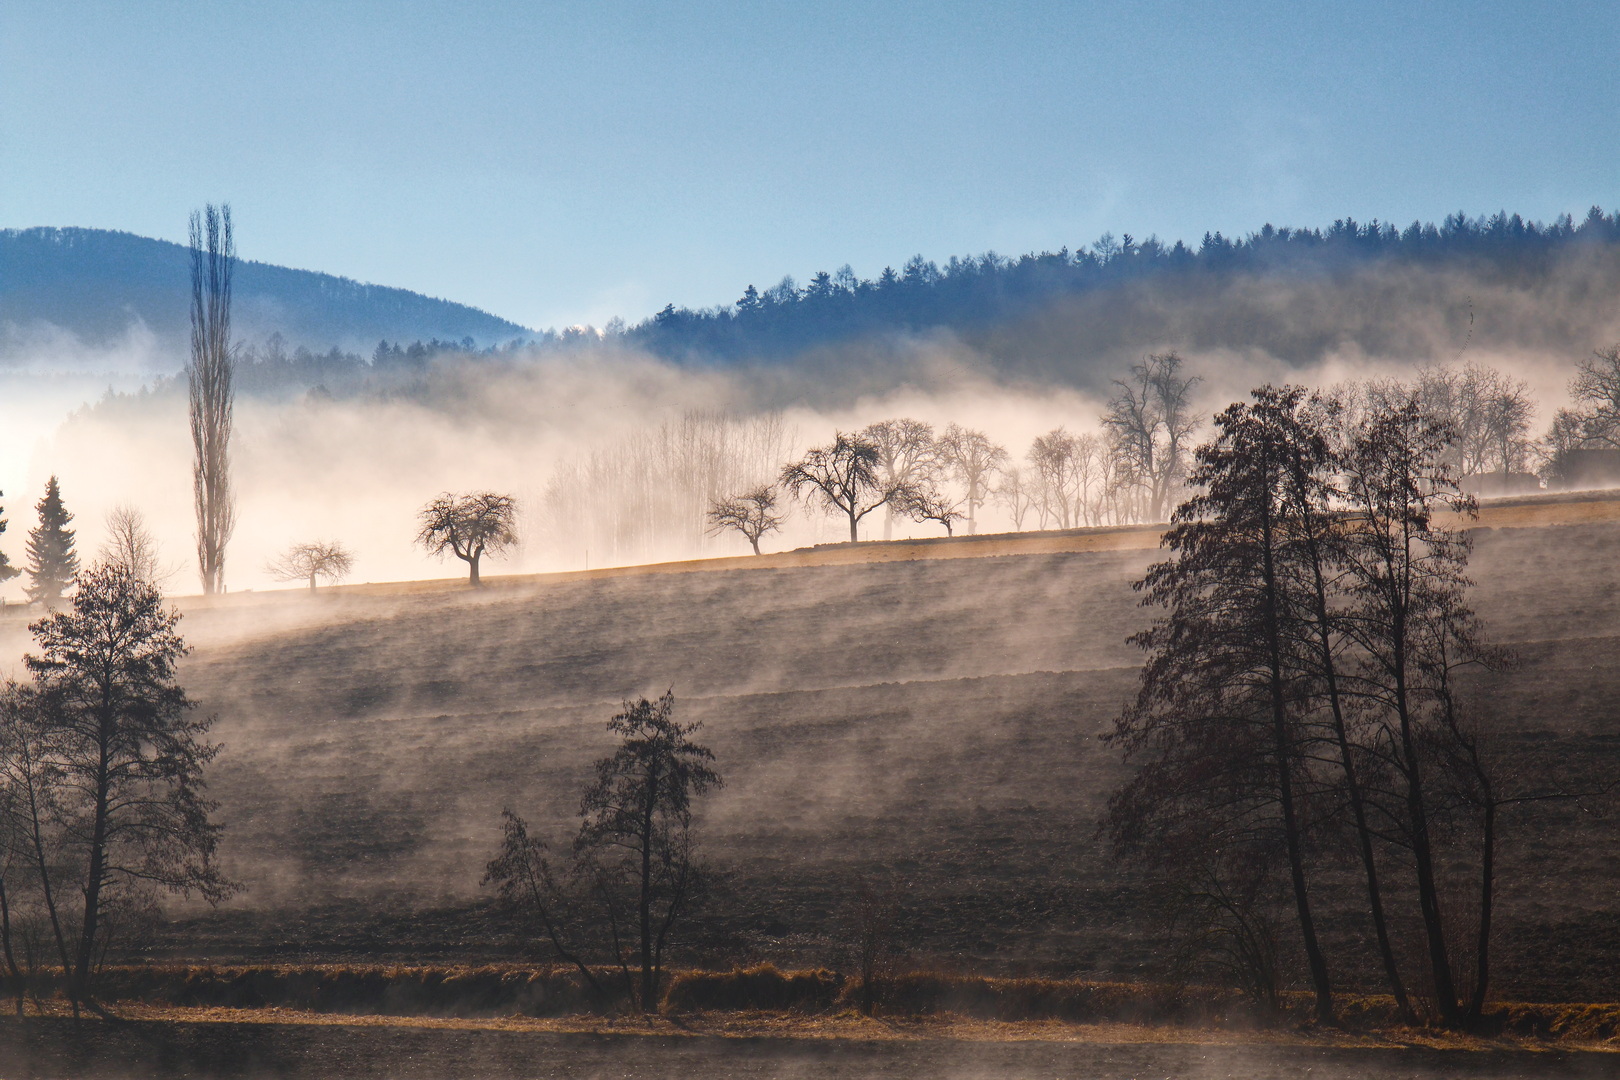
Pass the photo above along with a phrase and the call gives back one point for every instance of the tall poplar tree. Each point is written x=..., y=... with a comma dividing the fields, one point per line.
x=211, y=384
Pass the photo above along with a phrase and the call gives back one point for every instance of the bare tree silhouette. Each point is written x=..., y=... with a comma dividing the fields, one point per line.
x=309, y=562
x=469, y=527
x=752, y=514
x=844, y=478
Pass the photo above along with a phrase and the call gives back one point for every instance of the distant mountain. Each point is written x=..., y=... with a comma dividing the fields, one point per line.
x=95, y=283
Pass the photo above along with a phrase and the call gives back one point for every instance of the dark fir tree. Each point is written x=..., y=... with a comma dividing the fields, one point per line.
x=52, y=561
x=7, y=571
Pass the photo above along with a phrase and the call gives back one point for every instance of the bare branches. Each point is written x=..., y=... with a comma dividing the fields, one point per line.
x=309, y=562
x=210, y=382
x=752, y=514
x=906, y=455
x=973, y=459
x=469, y=527
x=1151, y=420
x=844, y=478
x=130, y=544
x=928, y=503
x=1596, y=389
x=633, y=873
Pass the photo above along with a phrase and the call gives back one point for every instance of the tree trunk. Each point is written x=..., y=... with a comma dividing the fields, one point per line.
x=1445, y=991
x=1352, y=783
x=5, y=942
x=1375, y=899
x=1487, y=889
x=648, y=990
x=1284, y=754
x=92, y=883
x=472, y=571
x=45, y=887
x=854, y=527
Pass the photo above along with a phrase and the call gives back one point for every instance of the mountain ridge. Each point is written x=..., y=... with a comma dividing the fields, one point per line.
x=98, y=284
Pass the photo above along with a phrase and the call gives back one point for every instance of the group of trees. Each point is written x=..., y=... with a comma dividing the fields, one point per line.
x=647, y=493
x=102, y=798
x=632, y=871
x=902, y=468
x=787, y=317
x=1594, y=421
x=1300, y=707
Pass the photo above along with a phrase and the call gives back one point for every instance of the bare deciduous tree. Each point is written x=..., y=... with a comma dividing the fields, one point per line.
x=906, y=455
x=637, y=819
x=648, y=494
x=130, y=544
x=871, y=916
x=323, y=559
x=752, y=514
x=1410, y=620
x=1596, y=390
x=1224, y=749
x=844, y=478
x=1052, y=457
x=1152, y=424
x=1015, y=491
x=1593, y=423
x=973, y=459
x=469, y=527
x=927, y=503
x=210, y=381
x=1488, y=414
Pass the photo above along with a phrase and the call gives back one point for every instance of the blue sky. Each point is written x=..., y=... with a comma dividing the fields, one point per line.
x=565, y=163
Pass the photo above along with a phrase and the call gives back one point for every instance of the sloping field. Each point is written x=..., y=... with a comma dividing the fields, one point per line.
x=933, y=721
x=1521, y=512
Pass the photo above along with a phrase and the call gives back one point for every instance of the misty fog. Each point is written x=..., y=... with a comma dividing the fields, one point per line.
x=355, y=467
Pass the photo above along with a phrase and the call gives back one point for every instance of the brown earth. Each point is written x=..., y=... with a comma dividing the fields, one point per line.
x=260, y=1044
x=926, y=719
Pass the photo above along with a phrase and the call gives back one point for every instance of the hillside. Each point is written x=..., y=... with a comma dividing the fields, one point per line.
x=933, y=720
x=95, y=283
x=1297, y=296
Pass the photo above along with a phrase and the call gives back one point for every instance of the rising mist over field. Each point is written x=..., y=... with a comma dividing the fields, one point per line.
x=346, y=447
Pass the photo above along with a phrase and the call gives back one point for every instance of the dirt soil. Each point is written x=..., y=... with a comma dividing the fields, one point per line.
x=930, y=721
x=225, y=1043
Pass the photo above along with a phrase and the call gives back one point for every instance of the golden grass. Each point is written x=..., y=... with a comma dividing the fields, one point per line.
x=762, y=1001
x=851, y=1025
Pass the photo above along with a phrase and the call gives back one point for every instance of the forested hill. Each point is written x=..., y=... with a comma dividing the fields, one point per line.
x=1296, y=294
x=95, y=283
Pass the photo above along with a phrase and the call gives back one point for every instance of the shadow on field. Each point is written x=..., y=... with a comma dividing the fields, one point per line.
x=58, y=1048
